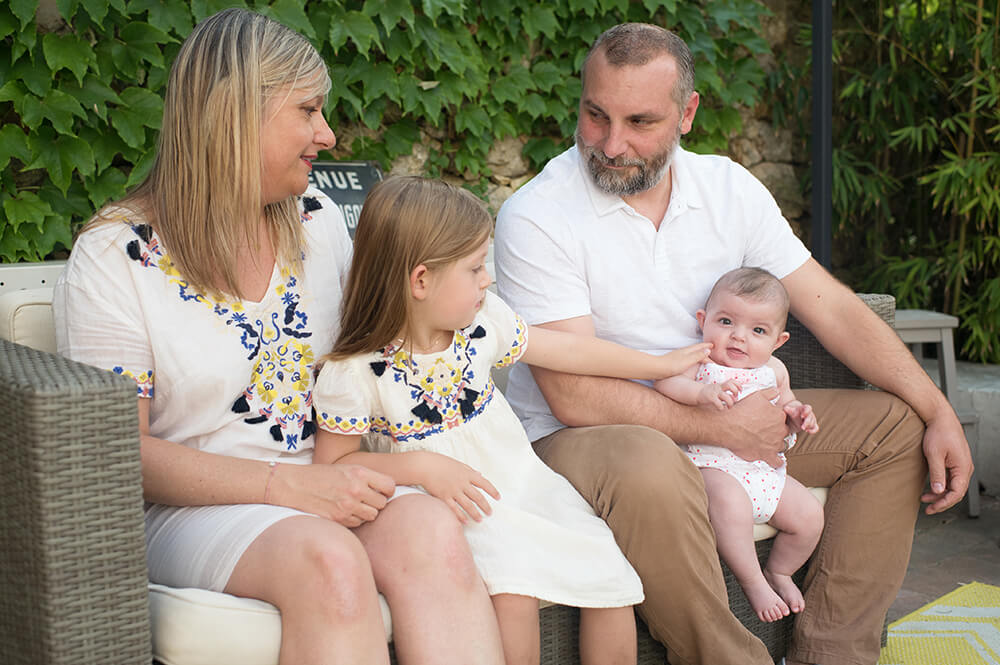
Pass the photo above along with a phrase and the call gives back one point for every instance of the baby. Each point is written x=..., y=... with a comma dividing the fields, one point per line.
x=744, y=318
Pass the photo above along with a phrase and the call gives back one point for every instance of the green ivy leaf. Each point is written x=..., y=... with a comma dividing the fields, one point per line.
x=67, y=8
x=108, y=185
x=143, y=40
x=76, y=154
x=202, y=9
x=472, y=119
x=52, y=233
x=546, y=75
x=60, y=109
x=13, y=143
x=398, y=47
x=381, y=82
x=106, y=145
x=540, y=19
x=97, y=9
x=434, y=8
x=514, y=85
x=167, y=16
x=25, y=208
x=292, y=14
x=24, y=10
x=35, y=75
x=653, y=5
x=129, y=126
x=94, y=95
x=588, y=7
x=12, y=91
x=361, y=30
x=13, y=246
x=145, y=105
x=141, y=168
x=400, y=136
x=534, y=105
x=32, y=112
x=390, y=13
x=69, y=52
x=8, y=22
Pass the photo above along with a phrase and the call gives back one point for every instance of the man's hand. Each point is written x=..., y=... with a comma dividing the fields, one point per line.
x=754, y=428
x=458, y=485
x=949, y=462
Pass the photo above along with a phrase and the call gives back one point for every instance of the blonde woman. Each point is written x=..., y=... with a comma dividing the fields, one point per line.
x=215, y=286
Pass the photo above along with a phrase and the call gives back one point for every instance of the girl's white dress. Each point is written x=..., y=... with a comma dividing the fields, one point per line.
x=762, y=482
x=542, y=539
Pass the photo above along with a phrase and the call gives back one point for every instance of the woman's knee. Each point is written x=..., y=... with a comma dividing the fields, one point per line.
x=329, y=569
x=435, y=552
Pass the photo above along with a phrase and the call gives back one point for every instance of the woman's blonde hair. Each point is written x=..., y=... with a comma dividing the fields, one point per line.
x=405, y=222
x=203, y=193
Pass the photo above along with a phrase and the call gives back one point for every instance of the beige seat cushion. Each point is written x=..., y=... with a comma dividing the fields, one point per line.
x=198, y=627
x=26, y=318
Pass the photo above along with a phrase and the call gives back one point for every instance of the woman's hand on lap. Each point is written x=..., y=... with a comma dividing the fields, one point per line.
x=348, y=494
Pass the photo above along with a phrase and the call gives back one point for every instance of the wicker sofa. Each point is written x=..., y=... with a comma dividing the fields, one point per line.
x=73, y=582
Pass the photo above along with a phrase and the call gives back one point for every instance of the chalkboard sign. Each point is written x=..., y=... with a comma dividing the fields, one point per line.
x=347, y=183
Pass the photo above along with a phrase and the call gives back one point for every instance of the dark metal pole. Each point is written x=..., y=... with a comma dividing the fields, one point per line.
x=822, y=134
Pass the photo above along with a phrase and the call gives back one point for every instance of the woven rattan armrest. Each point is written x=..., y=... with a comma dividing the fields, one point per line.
x=72, y=557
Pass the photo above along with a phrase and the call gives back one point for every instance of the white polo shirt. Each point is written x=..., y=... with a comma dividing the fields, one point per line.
x=564, y=249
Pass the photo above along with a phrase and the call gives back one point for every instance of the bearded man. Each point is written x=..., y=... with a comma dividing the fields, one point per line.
x=622, y=237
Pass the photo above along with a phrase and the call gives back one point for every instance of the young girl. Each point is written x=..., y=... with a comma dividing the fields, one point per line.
x=420, y=334
x=744, y=319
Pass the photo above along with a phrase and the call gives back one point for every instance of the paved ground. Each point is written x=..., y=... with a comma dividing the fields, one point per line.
x=948, y=550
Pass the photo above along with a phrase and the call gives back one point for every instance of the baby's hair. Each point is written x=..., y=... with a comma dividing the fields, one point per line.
x=405, y=222
x=754, y=284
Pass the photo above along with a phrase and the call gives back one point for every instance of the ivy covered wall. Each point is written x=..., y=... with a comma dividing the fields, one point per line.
x=81, y=86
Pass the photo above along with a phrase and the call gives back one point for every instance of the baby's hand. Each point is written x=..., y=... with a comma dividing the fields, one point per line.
x=458, y=485
x=720, y=395
x=801, y=417
x=677, y=361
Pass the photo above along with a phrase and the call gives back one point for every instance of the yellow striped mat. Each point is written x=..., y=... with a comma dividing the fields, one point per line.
x=959, y=628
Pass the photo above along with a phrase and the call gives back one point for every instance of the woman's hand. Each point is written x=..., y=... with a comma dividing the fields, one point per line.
x=459, y=485
x=719, y=395
x=678, y=360
x=345, y=493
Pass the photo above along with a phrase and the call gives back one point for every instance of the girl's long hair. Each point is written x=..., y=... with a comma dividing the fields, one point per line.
x=203, y=192
x=405, y=222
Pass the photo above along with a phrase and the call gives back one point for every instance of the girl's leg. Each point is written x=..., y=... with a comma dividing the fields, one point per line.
x=441, y=612
x=317, y=573
x=799, y=520
x=519, y=629
x=607, y=636
x=731, y=514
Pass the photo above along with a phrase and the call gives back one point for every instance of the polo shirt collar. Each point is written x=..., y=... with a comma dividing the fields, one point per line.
x=682, y=193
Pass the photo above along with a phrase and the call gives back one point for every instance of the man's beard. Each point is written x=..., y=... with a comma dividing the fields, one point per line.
x=645, y=174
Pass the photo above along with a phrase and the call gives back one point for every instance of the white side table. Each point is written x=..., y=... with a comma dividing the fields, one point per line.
x=918, y=326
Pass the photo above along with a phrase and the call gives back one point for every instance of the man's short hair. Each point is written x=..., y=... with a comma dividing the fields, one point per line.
x=636, y=44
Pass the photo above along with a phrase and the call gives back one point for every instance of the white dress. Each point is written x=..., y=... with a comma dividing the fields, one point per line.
x=762, y=482
x=542, y=539
x=232, y=377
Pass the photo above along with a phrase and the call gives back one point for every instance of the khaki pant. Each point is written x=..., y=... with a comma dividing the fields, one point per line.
x=868, y=451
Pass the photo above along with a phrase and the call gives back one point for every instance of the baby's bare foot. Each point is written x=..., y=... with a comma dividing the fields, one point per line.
x=764, y=600
x=787, y=589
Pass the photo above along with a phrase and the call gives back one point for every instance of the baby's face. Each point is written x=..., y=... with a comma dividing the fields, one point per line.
x=744, y=332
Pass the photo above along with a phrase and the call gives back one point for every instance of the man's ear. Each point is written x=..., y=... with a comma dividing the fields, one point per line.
x=700, y=315
x=687, y=113
x=420, y=282
x=782, y=338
